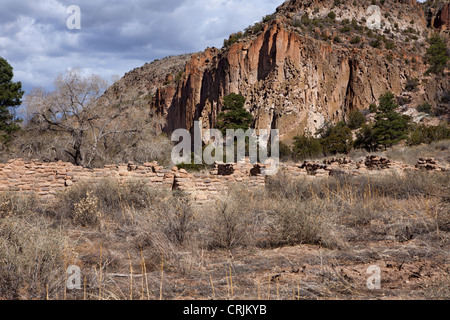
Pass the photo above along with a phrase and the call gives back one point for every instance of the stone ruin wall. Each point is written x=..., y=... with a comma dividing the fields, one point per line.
x=47, y=179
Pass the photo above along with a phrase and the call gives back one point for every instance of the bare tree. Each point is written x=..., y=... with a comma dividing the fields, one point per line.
x=78, y=123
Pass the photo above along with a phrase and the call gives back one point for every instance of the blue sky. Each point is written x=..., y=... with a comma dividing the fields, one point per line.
x=115, y=36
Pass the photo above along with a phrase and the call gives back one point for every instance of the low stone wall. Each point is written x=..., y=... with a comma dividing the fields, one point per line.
x=47, y=179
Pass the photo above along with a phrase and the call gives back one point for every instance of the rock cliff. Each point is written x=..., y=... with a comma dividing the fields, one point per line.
x=299, y=69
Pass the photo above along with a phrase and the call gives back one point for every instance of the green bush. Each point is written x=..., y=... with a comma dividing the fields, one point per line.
x=235, y=37
x=411, y=84
x=355, y=40
x=306, y=146
x=331, y=15
x=285, y=151
x=375, y=43
x=425, y=107
x=346, y=29
x=389, y=45
x=337, y=139
x=436, y=55
x=428, y=134
x=267, y=18
x=365, y=138
x=355, y=119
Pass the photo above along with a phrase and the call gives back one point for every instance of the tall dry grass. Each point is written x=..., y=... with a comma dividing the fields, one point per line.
x=121, y=229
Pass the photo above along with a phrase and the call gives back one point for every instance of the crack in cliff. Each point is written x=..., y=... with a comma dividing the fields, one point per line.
x=349, y=94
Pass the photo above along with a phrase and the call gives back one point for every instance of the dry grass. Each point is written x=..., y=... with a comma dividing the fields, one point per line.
x=32, y=259
x=300, y=239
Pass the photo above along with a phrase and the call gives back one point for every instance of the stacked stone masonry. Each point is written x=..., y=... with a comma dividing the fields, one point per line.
x=47, y=179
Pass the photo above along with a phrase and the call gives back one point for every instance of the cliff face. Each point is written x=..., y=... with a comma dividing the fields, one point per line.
x=438, y=14
x=296, y=77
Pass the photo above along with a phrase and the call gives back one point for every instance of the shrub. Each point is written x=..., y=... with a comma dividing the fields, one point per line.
x=331, y=15
x=86, y=203
x=355, y=119
x=346, y=29
x=285, y=151
x=235, y=221
x=425, y=107
x=389, y=45
x=428, y=134
x=267, y=18
x=86, y=211
x=337, y=139
x=411, y=84
x=355, y=40
x=365, y=138
x=235, y=37
x=306, y=146
x=174, y=217
x=375, y=43
x=13, y=203
x=436, y=55
x=298, y=222
x=32, y=259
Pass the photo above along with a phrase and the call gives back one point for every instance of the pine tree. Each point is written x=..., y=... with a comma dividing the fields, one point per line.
x=234, y=116
x=365, y=138
x=436, y=55
x=337, y=139
x=390, y=127
x=10, y=95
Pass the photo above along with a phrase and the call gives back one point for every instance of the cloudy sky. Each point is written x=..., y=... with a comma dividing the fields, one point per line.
x=116, y=36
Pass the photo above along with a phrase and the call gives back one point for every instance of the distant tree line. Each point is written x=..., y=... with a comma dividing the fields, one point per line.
x=388, y=129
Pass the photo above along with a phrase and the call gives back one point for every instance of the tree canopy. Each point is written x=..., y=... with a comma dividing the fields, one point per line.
x=390, y=127
x=436, y=56
x=233, y=115
x=10, y=97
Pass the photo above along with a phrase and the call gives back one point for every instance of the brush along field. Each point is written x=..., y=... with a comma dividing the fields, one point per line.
x=299, y=239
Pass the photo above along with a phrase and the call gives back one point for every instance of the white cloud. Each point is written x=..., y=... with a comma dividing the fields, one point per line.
x=116, y=36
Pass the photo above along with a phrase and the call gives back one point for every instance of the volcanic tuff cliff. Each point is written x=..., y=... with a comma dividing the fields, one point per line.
x=298, y=69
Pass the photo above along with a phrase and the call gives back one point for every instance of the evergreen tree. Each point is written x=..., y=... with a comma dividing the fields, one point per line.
x=10, y=95
x=390, y=127
x=337, y=139
x=436, y=55
x=355, y=120
x=365, y=138
x=234, y=116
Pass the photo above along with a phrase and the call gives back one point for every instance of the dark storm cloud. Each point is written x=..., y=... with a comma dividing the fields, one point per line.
x=115, y=36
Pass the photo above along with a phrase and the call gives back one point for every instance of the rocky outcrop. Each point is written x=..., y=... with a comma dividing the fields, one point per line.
x=291, y=82
x=439, y=15
x=294, y=79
